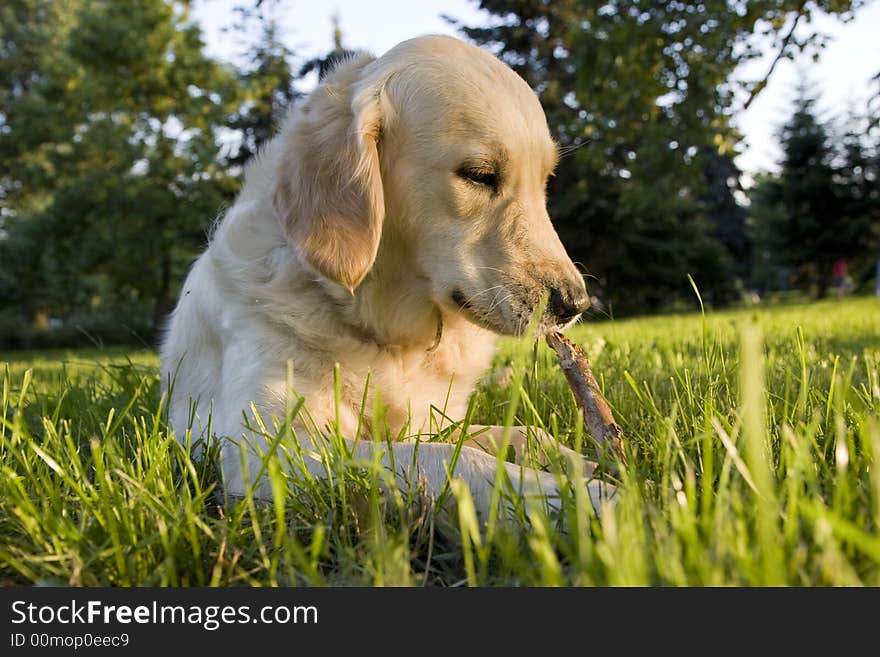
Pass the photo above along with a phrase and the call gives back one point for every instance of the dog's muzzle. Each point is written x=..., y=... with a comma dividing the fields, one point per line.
x=567, y=302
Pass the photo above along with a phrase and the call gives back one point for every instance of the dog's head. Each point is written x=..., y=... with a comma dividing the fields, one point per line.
x=441, y=152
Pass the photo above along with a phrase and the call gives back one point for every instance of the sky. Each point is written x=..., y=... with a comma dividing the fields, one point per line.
x=840, y=78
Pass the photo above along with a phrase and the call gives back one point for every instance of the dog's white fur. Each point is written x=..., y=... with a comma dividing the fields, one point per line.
x=356, y=235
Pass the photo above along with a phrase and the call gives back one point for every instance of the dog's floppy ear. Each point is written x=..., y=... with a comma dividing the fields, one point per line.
x=328, y=194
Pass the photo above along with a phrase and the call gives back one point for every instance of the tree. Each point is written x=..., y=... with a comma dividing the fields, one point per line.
x=814, y=234
x=267, y=80
x=823, y=204
x=116, y=134
x=30, y=30
x=728, y=218
x=639, y=97
x=858, y=178
x=765, y=223
x=31, y=33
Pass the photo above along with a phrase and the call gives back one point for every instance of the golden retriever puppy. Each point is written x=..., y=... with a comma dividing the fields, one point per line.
x=396, y=226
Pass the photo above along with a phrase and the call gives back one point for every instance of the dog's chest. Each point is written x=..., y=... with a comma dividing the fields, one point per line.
x=422, y=389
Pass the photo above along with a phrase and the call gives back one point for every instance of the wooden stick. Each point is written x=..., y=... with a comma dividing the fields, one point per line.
x=597, y=416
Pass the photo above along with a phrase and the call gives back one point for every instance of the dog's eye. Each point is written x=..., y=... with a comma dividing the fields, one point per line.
x=484, y=177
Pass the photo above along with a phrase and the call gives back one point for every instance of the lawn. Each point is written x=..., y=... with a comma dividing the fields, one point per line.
x=751, y=439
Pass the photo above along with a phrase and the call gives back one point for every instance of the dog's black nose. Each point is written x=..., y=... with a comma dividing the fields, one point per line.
x=568, y=302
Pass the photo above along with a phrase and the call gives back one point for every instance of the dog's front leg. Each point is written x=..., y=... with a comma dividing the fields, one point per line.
x=534, y=445
x=530, y=445
x=430, y=464
x=424, y=464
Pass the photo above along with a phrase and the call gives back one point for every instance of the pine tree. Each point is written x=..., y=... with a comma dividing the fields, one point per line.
x=267, y=79
x=822, y=206
x=858, y=177
x=815, y=233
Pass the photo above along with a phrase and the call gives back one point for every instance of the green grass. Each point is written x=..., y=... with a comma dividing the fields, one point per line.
x=752, y=438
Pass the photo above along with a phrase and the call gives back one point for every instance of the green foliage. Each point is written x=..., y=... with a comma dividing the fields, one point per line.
x=118, y=139
x=728, y=216
x=822, y=206
x=752, y=440
x=267, y=80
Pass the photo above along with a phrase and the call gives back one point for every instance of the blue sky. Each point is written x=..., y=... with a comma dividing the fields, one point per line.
x=841, y=76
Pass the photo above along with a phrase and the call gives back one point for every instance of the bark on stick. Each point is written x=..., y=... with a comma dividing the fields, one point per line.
x=597, y=416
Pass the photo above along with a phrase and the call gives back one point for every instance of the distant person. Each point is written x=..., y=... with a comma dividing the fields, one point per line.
x=840, y=279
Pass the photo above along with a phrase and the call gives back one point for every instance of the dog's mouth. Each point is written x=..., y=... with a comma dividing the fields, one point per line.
x=491, y=321
x=460, y=300
x=502, y=315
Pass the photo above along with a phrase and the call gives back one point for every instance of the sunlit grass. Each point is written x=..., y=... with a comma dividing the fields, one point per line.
x=751, y=438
